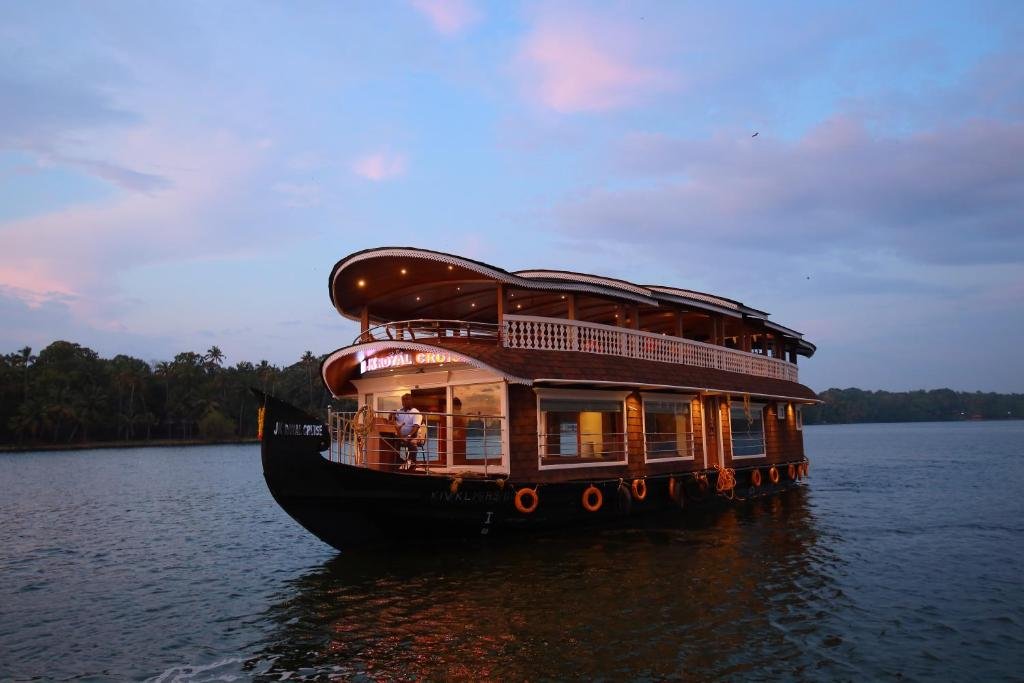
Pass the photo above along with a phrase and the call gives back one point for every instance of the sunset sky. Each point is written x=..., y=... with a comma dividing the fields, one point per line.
x=177, y=175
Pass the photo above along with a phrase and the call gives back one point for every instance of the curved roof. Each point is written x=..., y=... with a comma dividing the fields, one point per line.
x=391, y=276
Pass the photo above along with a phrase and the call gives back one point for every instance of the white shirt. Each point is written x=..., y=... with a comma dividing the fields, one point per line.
x=408, y=421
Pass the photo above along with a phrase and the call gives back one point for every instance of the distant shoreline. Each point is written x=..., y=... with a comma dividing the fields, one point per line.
x=152, y=443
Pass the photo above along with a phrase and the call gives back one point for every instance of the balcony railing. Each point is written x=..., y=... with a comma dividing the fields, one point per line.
x=556, y=334
x=413, y=330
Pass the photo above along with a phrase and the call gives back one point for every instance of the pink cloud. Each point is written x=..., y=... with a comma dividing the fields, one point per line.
x=449, y=17
x=379, y=166
x=572, y=62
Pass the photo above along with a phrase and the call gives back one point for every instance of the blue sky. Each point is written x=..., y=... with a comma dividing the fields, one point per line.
x=177, y=175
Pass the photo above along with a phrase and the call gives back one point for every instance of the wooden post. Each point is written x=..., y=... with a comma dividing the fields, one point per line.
x=501, y=309
x=364, y=319
x=572, y=306
x=745, y=339
x=634, y=314
x=679, y=324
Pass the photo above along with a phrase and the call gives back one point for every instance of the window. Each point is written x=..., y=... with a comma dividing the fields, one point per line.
x=581, y=428
x=747, y=429
x=668, y=427
x=476, y=424
x=799, y=418
x=780, y=411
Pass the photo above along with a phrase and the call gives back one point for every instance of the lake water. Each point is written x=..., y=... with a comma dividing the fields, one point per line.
x=902, y=558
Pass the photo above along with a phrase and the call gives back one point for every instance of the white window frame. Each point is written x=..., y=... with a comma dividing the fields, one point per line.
x=780, y=410
x=686, y=399
x=799, y=418
x=400, y=383
x=582, y=394
x=732, y=445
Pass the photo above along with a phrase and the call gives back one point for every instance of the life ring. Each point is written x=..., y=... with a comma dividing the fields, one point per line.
x=755, y=478
x=791, y=471
x=773, y=474
x=526, y=500
x=804, y=467
x=639, y=489
x=675, y=491
x=592, y=499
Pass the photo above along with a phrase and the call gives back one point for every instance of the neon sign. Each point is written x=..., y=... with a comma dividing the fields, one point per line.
x=402, y=359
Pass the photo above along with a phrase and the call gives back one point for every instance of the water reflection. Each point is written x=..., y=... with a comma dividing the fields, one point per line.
x=719, y=595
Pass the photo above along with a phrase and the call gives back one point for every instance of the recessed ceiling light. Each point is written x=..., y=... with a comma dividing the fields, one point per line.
x=361, y=283
x=473, y=304
x=417, y=298
x=403, y=271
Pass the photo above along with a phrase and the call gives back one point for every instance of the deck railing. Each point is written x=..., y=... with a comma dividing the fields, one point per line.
x=413, y=330
x=556, y=334
x=444, y=442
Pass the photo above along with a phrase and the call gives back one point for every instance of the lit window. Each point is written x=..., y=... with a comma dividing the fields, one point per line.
x=582, y=428
x=799, y=418
x=476, y=424
x=780, y=410
x=747, y=430
x=668, y=428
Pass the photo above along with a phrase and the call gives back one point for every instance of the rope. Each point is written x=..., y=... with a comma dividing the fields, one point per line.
x=726, y=480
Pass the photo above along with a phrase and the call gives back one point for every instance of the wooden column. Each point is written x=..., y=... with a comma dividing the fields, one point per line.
x=364, y=319
x=679, y=324
x=745, y=339
x=634, y=315
x=571, y=300
x=501, y=310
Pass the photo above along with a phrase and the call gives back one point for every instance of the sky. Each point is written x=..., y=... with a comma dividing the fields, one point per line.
x=178, y=175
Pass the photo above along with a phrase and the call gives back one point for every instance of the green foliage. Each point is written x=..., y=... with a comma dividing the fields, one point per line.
x=216, y=425
x=857, y=405
x=69, y=394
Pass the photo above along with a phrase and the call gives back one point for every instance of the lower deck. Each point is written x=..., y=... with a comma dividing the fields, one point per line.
x=468, y=423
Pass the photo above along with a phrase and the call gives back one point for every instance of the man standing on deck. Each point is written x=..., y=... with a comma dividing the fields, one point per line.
x=408, y=421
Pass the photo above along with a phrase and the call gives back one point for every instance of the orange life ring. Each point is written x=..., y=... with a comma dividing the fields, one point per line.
x=755, y=478
x=639, y=489
x=676, y=492
x=791, y=471
x=773, y=474
x=526, y=500
x=593, y=499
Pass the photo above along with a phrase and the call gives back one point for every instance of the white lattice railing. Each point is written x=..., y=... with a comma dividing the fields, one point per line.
x=554, y=334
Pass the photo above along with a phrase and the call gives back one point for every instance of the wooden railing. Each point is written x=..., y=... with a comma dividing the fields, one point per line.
x=414, y=330
x=555, y=334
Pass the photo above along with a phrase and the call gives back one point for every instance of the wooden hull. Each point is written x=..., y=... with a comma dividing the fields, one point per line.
x=347, y=506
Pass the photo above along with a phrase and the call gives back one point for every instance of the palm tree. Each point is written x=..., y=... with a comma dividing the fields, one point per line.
x=309, y=361
x=214, y=357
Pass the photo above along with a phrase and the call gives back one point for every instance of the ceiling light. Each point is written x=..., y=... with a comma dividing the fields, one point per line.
x=361, y=283
x=403, y=271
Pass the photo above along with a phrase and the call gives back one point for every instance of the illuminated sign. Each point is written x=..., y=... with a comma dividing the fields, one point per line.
x=402, y=359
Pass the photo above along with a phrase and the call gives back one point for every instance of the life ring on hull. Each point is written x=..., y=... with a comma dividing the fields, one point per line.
x=791, y=471
x=639, y=489
x=526, y=500
x=773, y=474
x=592, y=499
x=755, y=478
x=804, y=467
x=675, y=491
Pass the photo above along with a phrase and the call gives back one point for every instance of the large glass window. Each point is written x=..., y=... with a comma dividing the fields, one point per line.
x=747, y=424
x=668, y=431
x=582, y=430
x=476, y=424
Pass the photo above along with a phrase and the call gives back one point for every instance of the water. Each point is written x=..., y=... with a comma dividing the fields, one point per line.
x=902, y=559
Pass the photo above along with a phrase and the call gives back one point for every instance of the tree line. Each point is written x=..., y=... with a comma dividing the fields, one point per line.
x=937, y=405
x=68, y=394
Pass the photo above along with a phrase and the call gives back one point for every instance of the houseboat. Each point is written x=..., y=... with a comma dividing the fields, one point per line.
x=489, y=401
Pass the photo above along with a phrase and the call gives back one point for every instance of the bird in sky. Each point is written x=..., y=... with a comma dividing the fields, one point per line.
x=755, y=134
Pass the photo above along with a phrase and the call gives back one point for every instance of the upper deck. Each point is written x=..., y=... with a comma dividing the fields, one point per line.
x=420, y=297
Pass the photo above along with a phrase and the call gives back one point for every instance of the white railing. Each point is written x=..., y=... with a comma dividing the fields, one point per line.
x=446, y=442
x=555, y=334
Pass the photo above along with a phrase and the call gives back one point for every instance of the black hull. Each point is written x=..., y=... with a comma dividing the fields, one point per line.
x=347, y=506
